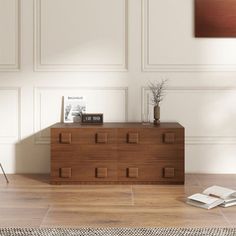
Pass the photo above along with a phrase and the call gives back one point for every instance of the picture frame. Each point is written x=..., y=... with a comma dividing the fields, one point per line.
x=73, y=108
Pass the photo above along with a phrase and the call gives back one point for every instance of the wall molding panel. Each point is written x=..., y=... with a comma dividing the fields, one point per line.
x=14, y=117
x=148, y=66
x=42, y=133
x=191, y=137
x=15, y=64
x=39, y=65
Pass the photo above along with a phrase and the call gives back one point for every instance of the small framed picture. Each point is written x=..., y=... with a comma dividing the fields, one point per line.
x=74, y=106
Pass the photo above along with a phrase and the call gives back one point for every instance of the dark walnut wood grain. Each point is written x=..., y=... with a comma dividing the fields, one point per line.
x=215, y=18
x=125, y=153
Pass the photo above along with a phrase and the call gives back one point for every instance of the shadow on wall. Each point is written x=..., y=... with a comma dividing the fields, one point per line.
x=31, y=157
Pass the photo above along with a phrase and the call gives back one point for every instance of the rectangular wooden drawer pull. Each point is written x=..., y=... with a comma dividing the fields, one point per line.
x=101, y=172
x=169, y=172
x=65, y=172
x=169, y=137
x=65, y=138
x=132, y=172
x=133, y=138
x=101, y=137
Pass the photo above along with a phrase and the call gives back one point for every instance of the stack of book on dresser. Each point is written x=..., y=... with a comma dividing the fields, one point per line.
x=212, y=197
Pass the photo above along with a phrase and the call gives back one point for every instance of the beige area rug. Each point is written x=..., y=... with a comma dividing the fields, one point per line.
x=118, y=232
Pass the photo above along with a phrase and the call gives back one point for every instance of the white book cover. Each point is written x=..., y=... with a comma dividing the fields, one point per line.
x=74, y=106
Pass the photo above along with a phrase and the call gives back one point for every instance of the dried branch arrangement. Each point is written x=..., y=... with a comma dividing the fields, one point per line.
x=157, y=89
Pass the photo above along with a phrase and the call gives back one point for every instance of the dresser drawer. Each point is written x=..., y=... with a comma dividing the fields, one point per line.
x=150, y=136
x=83, y=136
x=85, y=172
x=155, y=172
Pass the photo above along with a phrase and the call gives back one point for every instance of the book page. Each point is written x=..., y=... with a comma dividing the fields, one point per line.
x=220, y=192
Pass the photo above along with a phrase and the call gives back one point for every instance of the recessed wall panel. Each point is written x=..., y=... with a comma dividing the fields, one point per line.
x=9, y=31
x=9, y=115
x=112, y=102
x=80, y=35
x=208, y=115
x=169, y=42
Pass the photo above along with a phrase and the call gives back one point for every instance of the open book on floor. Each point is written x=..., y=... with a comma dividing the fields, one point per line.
x=212, y=197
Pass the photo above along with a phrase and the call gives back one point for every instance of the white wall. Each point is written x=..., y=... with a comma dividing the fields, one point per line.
x=107, y=50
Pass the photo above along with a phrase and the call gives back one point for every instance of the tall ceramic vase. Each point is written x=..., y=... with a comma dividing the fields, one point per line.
x=156, y=114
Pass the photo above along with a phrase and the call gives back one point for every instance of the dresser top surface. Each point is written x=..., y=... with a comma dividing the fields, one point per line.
x=164, y=125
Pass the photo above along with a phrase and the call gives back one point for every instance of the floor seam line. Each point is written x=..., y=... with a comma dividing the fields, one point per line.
x=46, y=214
x=132, y=195
x=226, y=219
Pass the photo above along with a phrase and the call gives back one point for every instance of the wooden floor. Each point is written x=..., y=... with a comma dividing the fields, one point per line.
x=30, y=201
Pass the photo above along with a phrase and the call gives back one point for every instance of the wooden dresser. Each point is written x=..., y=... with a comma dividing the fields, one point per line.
x=124, y=153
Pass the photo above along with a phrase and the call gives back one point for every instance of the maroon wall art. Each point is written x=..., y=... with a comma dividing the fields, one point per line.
x=215, y=18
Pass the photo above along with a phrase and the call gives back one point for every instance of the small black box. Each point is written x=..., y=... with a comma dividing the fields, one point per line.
x=92, y=118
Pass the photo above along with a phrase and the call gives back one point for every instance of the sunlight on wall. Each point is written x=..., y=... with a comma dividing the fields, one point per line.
x=221, y=112
x=220, y=159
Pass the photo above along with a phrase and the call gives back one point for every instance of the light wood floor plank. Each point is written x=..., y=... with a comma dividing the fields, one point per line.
x=22, y=217
x=133, y=216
